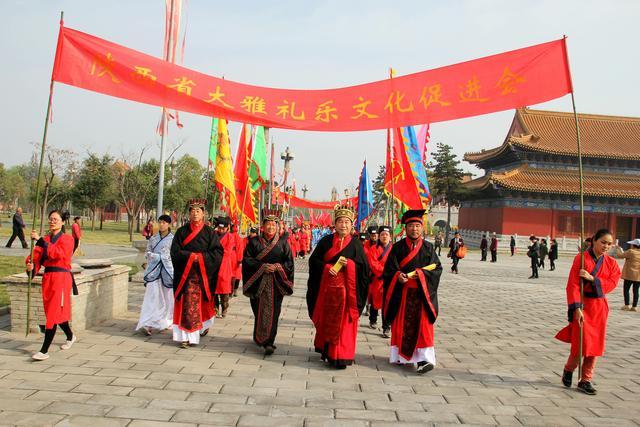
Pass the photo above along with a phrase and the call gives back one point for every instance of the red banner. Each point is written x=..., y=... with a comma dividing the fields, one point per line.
x=508, y=80
x=299, y=202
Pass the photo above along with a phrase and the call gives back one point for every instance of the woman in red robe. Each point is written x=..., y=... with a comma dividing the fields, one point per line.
x=599, y=276
x=337, y=290
x=54, y=252
x=227, y=267
x=377, y=257
x=240, y=245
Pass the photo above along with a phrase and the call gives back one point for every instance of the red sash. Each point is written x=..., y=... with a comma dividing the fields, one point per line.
x=410, y=256
x=195, y=230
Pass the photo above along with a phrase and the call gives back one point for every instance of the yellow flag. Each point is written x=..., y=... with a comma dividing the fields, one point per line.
x=223, y=175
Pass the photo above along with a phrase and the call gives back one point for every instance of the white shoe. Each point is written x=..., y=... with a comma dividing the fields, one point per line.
x=67, y=345
x=40, y=356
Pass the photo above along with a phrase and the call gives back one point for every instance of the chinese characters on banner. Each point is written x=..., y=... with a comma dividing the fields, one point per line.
x=508, y=80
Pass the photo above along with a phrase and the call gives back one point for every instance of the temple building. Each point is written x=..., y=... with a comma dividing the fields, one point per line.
x=531, y=183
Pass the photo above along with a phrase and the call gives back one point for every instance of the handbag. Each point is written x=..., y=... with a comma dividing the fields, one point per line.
x=462, y=252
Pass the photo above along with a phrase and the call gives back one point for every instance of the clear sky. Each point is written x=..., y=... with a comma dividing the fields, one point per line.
x=305, y=44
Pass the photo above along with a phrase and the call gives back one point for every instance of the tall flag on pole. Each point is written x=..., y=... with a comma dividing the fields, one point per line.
x=365, y=198
x=213, y=143
x=223, y=175
x=244, y=194
x=258, y=167
x=405, y=189
x=416, y=160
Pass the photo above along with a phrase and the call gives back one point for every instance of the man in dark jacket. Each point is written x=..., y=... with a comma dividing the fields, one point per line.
x=532, y=253
x=483, y=247
x=18, y=229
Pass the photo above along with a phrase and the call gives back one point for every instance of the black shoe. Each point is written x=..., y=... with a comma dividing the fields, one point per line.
x=184, y=344
x=385, y=333
x=341, y=366
x=586, y=388
x=373, y=326
x=532, y=277
x=424, y=367
x=268, y=350
x=204, y=333
x=567, y=377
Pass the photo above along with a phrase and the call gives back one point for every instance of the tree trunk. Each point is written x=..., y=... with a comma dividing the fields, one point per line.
x=137, y=217
x=93, y=218
x=101, y=217
x=130, y=226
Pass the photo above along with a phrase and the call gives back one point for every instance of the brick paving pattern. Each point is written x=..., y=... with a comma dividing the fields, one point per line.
x=498, y=364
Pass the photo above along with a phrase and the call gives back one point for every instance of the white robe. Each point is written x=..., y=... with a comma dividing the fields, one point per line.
x=157, y=305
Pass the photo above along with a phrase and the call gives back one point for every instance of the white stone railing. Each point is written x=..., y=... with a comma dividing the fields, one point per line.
x=472, y=239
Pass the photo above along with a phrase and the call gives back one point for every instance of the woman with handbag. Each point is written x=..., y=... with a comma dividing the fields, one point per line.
x=457, y=251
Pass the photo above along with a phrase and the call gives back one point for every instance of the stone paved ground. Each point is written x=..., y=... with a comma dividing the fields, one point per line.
x=497, y=364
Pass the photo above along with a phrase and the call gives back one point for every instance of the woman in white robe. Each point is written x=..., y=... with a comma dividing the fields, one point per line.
x=157, y=306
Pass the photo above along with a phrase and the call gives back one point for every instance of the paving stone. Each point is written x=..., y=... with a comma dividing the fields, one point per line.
x=84, y=421
x=153, y=414
x=102, y=389
x=261, y=421
x=147, y=423
x=118, y=401
x=357, y=414
x=77, y=409
x=205, y=418
x=151, y=393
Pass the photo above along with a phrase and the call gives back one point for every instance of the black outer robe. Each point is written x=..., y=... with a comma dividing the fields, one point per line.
x=206, y=243
x=353, y=251
x=425, y=257
x=280, y=254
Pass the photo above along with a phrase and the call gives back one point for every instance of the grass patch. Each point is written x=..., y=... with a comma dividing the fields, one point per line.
x=9, y=265
x=112, y=233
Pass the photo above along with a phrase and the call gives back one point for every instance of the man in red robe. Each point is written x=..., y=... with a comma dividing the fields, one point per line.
x=411, y=277
x=369, y=243
x=337, y=290
x=237, y=273
x=303, y=250
x=377, y=258
x=195, y=255
x=227, y=266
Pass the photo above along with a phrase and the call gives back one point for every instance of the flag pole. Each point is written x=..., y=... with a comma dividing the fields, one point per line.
x=36, y=208
x=581, y=181
x=393, y=196
x=206, y=188
x=266, y=138
x=164, y=125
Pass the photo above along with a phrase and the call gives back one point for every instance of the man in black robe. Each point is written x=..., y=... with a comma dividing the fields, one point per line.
x=411, y=277
x=337, y=290
x=267, y=276
x=196, y=254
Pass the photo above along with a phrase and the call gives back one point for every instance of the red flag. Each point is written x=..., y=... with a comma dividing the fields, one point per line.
x=312, y=219
x=508, y=80
x=244, y=196
x=405, y=189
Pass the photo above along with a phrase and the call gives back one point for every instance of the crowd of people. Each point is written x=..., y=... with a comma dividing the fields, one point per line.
x=192, y=274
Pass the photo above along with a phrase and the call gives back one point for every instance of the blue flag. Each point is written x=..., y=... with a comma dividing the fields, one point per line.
x=365, y=197
x=415, y=157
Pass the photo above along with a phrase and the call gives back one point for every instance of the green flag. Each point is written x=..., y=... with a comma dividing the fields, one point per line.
x=258, y=168
x=213, y=143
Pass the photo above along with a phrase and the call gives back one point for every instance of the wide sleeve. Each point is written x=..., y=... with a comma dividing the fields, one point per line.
x=61, y=250
x=363, y=276
x=316, y=268
x=287, y=261
x=213, y=259
x=609, y=282
x=179, y=255
x=433, y=276
x=573, y=288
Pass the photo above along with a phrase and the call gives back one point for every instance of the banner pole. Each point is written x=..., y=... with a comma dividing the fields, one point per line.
x=206, y=188
x=37, y=211
x=164, y=125
x=581, y=182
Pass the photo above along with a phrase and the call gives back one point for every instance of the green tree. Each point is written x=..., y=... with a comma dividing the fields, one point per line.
x=95, y=184
x=135, y=186
x=186, y=181
x=445, y=179
x=13, y=186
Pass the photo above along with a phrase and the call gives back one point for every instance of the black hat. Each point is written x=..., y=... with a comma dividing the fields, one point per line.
x=166, y=218
x=413, y=215
x=384, y=228
x=253, y=230
x=372, y=229
x=223, y=221
x=363, y=236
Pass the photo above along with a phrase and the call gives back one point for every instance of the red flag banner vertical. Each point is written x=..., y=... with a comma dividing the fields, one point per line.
x=244, y=195
x=508, y=80
x=405, y=186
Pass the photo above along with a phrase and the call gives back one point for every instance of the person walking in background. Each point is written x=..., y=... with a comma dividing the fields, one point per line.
x=483, y=247
x=147, y=231
x=437, y=243
x=512, y=245
x=76, y=233
x=588, y=317
x=493, y=248
x=53, y=252
x=455, y=244
x=630, y=273
x=543, y=251
x=553, y=254
x=18, y=229
x=532, y=252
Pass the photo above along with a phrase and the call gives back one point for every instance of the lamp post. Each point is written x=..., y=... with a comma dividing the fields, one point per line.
x=304, y=191
x=287, y=156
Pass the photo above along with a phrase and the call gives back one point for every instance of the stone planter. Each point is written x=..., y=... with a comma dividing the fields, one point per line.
x=102, y=294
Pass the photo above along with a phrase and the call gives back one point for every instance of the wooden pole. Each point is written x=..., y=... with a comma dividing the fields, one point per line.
x=581, y=183
x=37, y=211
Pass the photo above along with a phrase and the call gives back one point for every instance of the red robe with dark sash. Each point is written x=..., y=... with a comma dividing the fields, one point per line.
x=267, y=290
x=195, y=253
x=596, y=309
x=411, y=307
x=239, y=250
x=54, y=254
x=335, y=302
x=228, y=264
x=377, y=258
